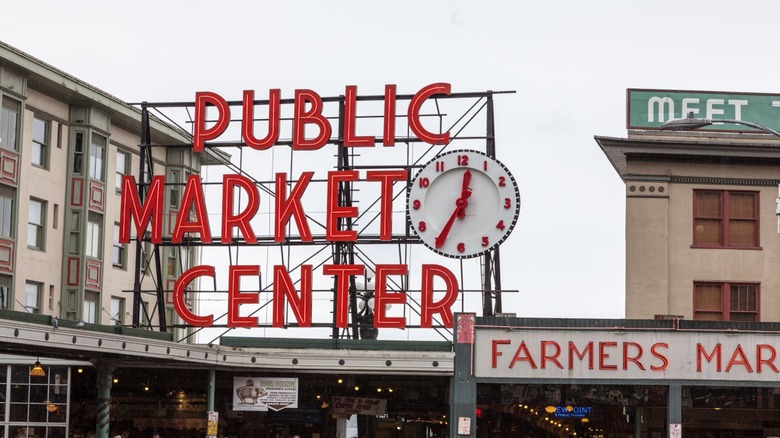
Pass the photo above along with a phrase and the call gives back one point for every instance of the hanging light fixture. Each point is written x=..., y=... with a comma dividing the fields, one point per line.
x=37, y=370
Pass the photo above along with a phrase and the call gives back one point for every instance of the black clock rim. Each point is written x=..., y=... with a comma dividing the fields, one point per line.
x=511, y=226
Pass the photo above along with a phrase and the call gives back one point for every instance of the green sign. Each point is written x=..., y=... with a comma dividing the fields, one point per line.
x=649, y=109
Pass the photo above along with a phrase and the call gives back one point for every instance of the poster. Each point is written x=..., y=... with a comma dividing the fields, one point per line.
x=264, y=393
x=213, y=424
x=358, y=406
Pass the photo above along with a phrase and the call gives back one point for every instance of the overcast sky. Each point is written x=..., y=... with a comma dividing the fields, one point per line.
x=569, y=62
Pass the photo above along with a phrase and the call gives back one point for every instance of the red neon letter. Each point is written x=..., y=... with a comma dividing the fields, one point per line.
x=236, y=297
x=350, y=114
x=739, y=358
x=383, y=297
x=496, y=353
x=291, y=207
x=664, y=361
x=241, y=220
x=334, y=211
x=178, y=295
x=388, y=131
x=715, y=354
x=386, y=177
x=526, y=356
x=284, y=287
x=573, y=351
x=427, y=306
x=414, y=114
x=201, y=134
x=552, y=358
x=192, y=199
x=635, y=359
x=131, y=207
x=248, y=124
x=342, y=274
x=604, y=355
x=760, y=361
x=303, y=117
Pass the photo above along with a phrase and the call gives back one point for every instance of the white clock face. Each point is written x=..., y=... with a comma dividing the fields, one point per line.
x=463, y=203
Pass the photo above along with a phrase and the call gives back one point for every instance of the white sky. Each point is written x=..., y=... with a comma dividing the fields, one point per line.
x=570, y=63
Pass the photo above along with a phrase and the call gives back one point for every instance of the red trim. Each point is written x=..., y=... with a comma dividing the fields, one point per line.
x=7, y=251
x=12, y=175
x=72, y=278
x=92, y=273
x=77, y=201
x=96, y=194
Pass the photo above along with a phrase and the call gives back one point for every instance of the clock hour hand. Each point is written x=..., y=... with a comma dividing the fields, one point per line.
x=460, y=209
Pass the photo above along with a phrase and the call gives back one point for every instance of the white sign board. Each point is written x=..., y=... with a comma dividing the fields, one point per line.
x=264, y=393
x=622, y=354
x=464, y=425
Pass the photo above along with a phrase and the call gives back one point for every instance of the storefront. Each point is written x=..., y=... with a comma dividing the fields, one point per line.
x=615, y=378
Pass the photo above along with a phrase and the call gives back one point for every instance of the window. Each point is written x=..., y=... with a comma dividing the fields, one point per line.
x=727, y=219
x=117, y=310
x=119, y=250
x=725, y=302
x=78, y=153
x=5, y=290
x=175, y=180
x=36, y=217
x=9, y=123
x=97, y=153
x=32, y=296
x=122, y=169
x=7, y=196
x=94, y=232
x=91, y=299
x=40, y=143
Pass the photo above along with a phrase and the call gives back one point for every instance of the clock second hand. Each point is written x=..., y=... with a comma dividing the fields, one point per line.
x=460, y=209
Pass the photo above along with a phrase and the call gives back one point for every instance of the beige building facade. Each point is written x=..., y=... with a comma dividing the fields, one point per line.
x=702, y=236
x=64, y=147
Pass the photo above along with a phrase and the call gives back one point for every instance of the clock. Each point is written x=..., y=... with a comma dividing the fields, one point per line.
x=463, y=203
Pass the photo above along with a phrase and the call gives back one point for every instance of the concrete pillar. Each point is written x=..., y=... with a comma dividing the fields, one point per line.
x=105, y=375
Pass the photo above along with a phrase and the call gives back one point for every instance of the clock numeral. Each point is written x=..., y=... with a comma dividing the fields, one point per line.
x=484, y=165
x=484, y=241
x=421, y=226
x=507, y=202
x=501, y=181
x=440, y=166
x=463, y=160
x=424, y=182
x=461, y=247
x=500, y=225
x=416, y=204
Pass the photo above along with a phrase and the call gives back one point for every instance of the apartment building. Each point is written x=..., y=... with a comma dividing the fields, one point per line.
x=702, y=236
x=64, y=147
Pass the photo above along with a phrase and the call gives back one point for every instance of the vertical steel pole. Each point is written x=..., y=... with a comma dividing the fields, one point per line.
x=491, y=282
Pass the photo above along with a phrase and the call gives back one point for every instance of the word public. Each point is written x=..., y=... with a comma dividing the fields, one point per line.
x=307, y=110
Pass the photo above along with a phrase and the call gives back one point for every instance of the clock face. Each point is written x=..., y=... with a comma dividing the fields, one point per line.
x=463, y=203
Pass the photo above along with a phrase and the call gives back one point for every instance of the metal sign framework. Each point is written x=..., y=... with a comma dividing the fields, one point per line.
x=469, y=117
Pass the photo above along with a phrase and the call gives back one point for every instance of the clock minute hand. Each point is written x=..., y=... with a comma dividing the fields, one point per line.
x=439, y=242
